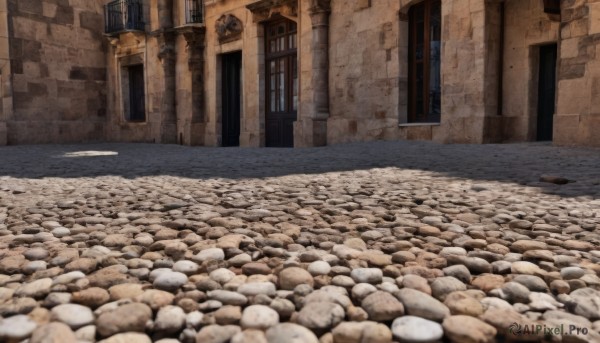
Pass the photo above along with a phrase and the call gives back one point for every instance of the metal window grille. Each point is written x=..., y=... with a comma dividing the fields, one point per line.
x=194, y=11
x=124, y=15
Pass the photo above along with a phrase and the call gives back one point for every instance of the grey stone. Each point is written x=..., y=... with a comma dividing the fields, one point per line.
x=586, y=303
x=170, y=281
x=16, y=328
x=533, y=283
x=259, y=317
x=35, y=289
x=256, y=288
x=320, y=315
x=442, y=286
x=417, y=330
x=367, y=275
x=290, y=333
x=185, y=267
x=319, y=268
x=571, y=273
x=212, y=254
x=228, y=297
x=75, y=316
x=169, y=319
x=422, y=305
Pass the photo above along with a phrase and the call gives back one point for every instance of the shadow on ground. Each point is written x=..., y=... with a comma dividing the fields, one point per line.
x=515, y=163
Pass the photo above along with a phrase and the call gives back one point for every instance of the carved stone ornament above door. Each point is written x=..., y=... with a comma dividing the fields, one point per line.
x=229, y=28
x=264, y=10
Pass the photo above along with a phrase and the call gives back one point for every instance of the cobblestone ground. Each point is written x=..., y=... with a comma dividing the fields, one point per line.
x=360, y=243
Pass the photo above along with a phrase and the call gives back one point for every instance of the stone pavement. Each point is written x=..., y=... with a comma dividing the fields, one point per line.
x=372, y=242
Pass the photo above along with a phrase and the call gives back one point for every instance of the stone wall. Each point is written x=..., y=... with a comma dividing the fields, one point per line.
x=58, y=67
x=464, y=65
x=527, y=27
x=59, y=60
x=5, y=79
x=365, y=70
x=577, y=120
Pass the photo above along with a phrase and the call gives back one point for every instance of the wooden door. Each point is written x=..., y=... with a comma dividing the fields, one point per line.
x=137, y=96
x=281, y=82
x=546, y=92
x=231, y=98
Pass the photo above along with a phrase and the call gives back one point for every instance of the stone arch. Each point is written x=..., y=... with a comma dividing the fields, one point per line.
x=405, y=5
x=266, y=10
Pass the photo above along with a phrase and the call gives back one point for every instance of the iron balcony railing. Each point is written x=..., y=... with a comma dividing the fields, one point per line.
x=124, y=15
x=194, y=11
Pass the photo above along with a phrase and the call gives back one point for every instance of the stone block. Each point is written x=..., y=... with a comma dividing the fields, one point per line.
x=362, y=4
x=30, y=7
x=49, y=9
x=589, y=129
x=65, y=15
x=416, y=133
x=566, y=129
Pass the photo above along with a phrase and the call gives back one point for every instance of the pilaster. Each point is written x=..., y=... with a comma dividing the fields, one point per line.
x=312, y=130
x=167, y=56
x=192, y=125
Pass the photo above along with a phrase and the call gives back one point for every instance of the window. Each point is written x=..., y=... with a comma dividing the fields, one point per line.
x=194, y=12
x=425, y=38
x=282, y=67
x=124, y=15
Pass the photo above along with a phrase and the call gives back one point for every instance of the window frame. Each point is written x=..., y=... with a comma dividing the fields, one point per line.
x=194, y=11
x=288, y=55
x=413, y=115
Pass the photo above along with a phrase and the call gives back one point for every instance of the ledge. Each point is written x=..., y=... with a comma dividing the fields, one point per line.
x=133, y=123
x=190, y=26
x=418, y=124
x=119, y=32
x=262, y=5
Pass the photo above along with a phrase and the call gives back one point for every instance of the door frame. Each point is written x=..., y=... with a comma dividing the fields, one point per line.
x=136, y=71
x=221, y=87
x=291, y=53
x=538, y=88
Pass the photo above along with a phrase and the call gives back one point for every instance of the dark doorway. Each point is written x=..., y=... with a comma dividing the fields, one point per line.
x=231, y=98
x=281, y=82
x=546, y=92
x=137, y=97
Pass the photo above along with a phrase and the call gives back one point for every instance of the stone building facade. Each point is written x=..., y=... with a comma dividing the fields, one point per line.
x=299, y=73
x=53, y=71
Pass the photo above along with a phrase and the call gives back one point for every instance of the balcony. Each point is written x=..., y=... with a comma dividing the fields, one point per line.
x=194, y=12
x=124, y=15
